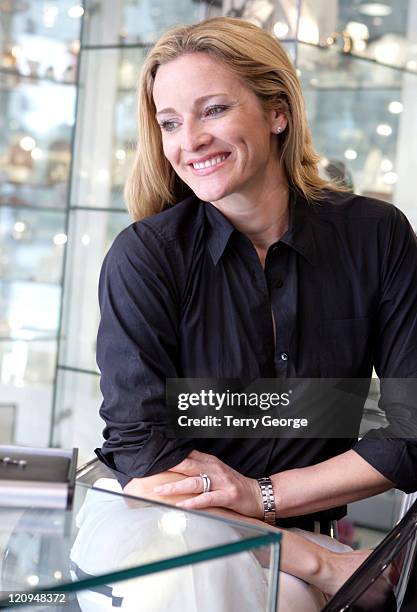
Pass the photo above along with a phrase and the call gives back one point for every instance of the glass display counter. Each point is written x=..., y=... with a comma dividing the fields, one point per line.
x=113, y=550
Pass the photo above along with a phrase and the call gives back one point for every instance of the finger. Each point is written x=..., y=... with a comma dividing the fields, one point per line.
x=205, y=500
x=194, y=484
x=189, y=467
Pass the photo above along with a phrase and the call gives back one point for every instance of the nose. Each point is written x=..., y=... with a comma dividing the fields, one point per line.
x=194, y=136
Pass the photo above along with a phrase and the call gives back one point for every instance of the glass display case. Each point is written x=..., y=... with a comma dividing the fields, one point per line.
x=109, y=547
x=384, y=32
x=348, y=103
x=39, y=44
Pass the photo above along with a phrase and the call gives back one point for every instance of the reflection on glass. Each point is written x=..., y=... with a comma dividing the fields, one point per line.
x=77, y=422
x=39, y=321
x=291, y=50
x=381, y=31
x=27, y=368
x=91, y=234
x=27, y=362
x=40, y=39
x=38, y=59
x=39, y=46
x=31, y=245
x=350, y=108
x=137, y=21
x=35, y=141
x=106, y=533
x=124, y=533
x=278, y=18
x=103, y=156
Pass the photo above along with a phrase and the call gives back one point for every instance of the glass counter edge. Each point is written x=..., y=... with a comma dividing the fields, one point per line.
x=264, y=537
x=165, y=506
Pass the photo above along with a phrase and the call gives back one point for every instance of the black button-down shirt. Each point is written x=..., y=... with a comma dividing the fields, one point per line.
x=183, y=294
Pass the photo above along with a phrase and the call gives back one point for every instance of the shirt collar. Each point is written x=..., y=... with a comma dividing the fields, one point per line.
x=220, y=230
x=299, y=235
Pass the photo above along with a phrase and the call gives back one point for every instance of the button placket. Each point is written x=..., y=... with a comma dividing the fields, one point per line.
x=280, y=266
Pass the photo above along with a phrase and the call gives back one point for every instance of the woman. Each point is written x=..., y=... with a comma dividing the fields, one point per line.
x=263, y=271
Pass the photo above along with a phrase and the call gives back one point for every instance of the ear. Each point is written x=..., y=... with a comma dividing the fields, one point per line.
x=278, y=121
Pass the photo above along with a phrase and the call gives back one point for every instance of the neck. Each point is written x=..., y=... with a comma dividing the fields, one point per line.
x=263, y=219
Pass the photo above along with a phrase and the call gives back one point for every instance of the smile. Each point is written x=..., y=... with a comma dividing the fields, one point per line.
x=209, y=165
x=209, y=162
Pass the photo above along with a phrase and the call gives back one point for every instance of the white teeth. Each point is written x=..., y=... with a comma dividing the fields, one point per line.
x=210, y=162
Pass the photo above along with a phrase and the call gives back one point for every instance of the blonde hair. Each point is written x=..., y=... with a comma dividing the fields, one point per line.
x=256, y=57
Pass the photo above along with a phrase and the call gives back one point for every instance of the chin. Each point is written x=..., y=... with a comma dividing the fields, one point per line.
x=210, y=195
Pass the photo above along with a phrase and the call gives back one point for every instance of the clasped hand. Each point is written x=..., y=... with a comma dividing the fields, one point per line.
x=229, y=489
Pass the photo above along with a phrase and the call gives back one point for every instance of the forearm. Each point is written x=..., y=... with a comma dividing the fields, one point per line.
x=299, y=557
x=337, y=481
x=144, y=487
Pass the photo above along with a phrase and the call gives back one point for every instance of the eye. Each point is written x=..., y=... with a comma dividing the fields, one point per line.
x=216, y=109
x=169, y=125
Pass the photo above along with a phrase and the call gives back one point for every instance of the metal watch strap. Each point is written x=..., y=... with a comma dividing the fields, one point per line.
x=268, y=500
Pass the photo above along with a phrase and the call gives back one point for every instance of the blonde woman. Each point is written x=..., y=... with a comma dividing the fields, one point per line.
x=243, y=263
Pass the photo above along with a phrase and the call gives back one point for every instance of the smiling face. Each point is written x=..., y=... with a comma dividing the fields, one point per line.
x=215, y=133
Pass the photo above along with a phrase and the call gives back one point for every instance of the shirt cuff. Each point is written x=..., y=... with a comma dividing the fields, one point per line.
x=156, y=455
x=396, y=459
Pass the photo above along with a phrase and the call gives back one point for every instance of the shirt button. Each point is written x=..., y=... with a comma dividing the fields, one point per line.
x=284, y=356
x=279, y=283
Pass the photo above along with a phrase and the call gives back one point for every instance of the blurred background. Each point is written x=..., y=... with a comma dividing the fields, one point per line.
x=68, y=72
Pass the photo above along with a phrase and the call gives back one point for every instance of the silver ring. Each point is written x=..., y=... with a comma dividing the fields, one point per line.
x=206, y=483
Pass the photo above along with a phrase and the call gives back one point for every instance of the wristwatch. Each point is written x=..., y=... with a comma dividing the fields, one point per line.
x=268, y=500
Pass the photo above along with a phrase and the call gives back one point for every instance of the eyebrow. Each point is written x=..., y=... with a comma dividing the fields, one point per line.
x=198, y=102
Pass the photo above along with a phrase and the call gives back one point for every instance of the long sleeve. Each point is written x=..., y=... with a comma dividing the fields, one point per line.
x=136, y=351
x=393, y=450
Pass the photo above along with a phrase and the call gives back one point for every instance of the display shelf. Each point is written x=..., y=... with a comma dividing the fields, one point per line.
x=14, y=279
x=380, y=32
x=12, y=206
x=34, y=77
x=337, y=69
x=78, y=370
x=38, y=336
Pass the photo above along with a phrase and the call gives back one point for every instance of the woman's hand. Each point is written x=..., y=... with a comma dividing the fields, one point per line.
x=229, y=489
